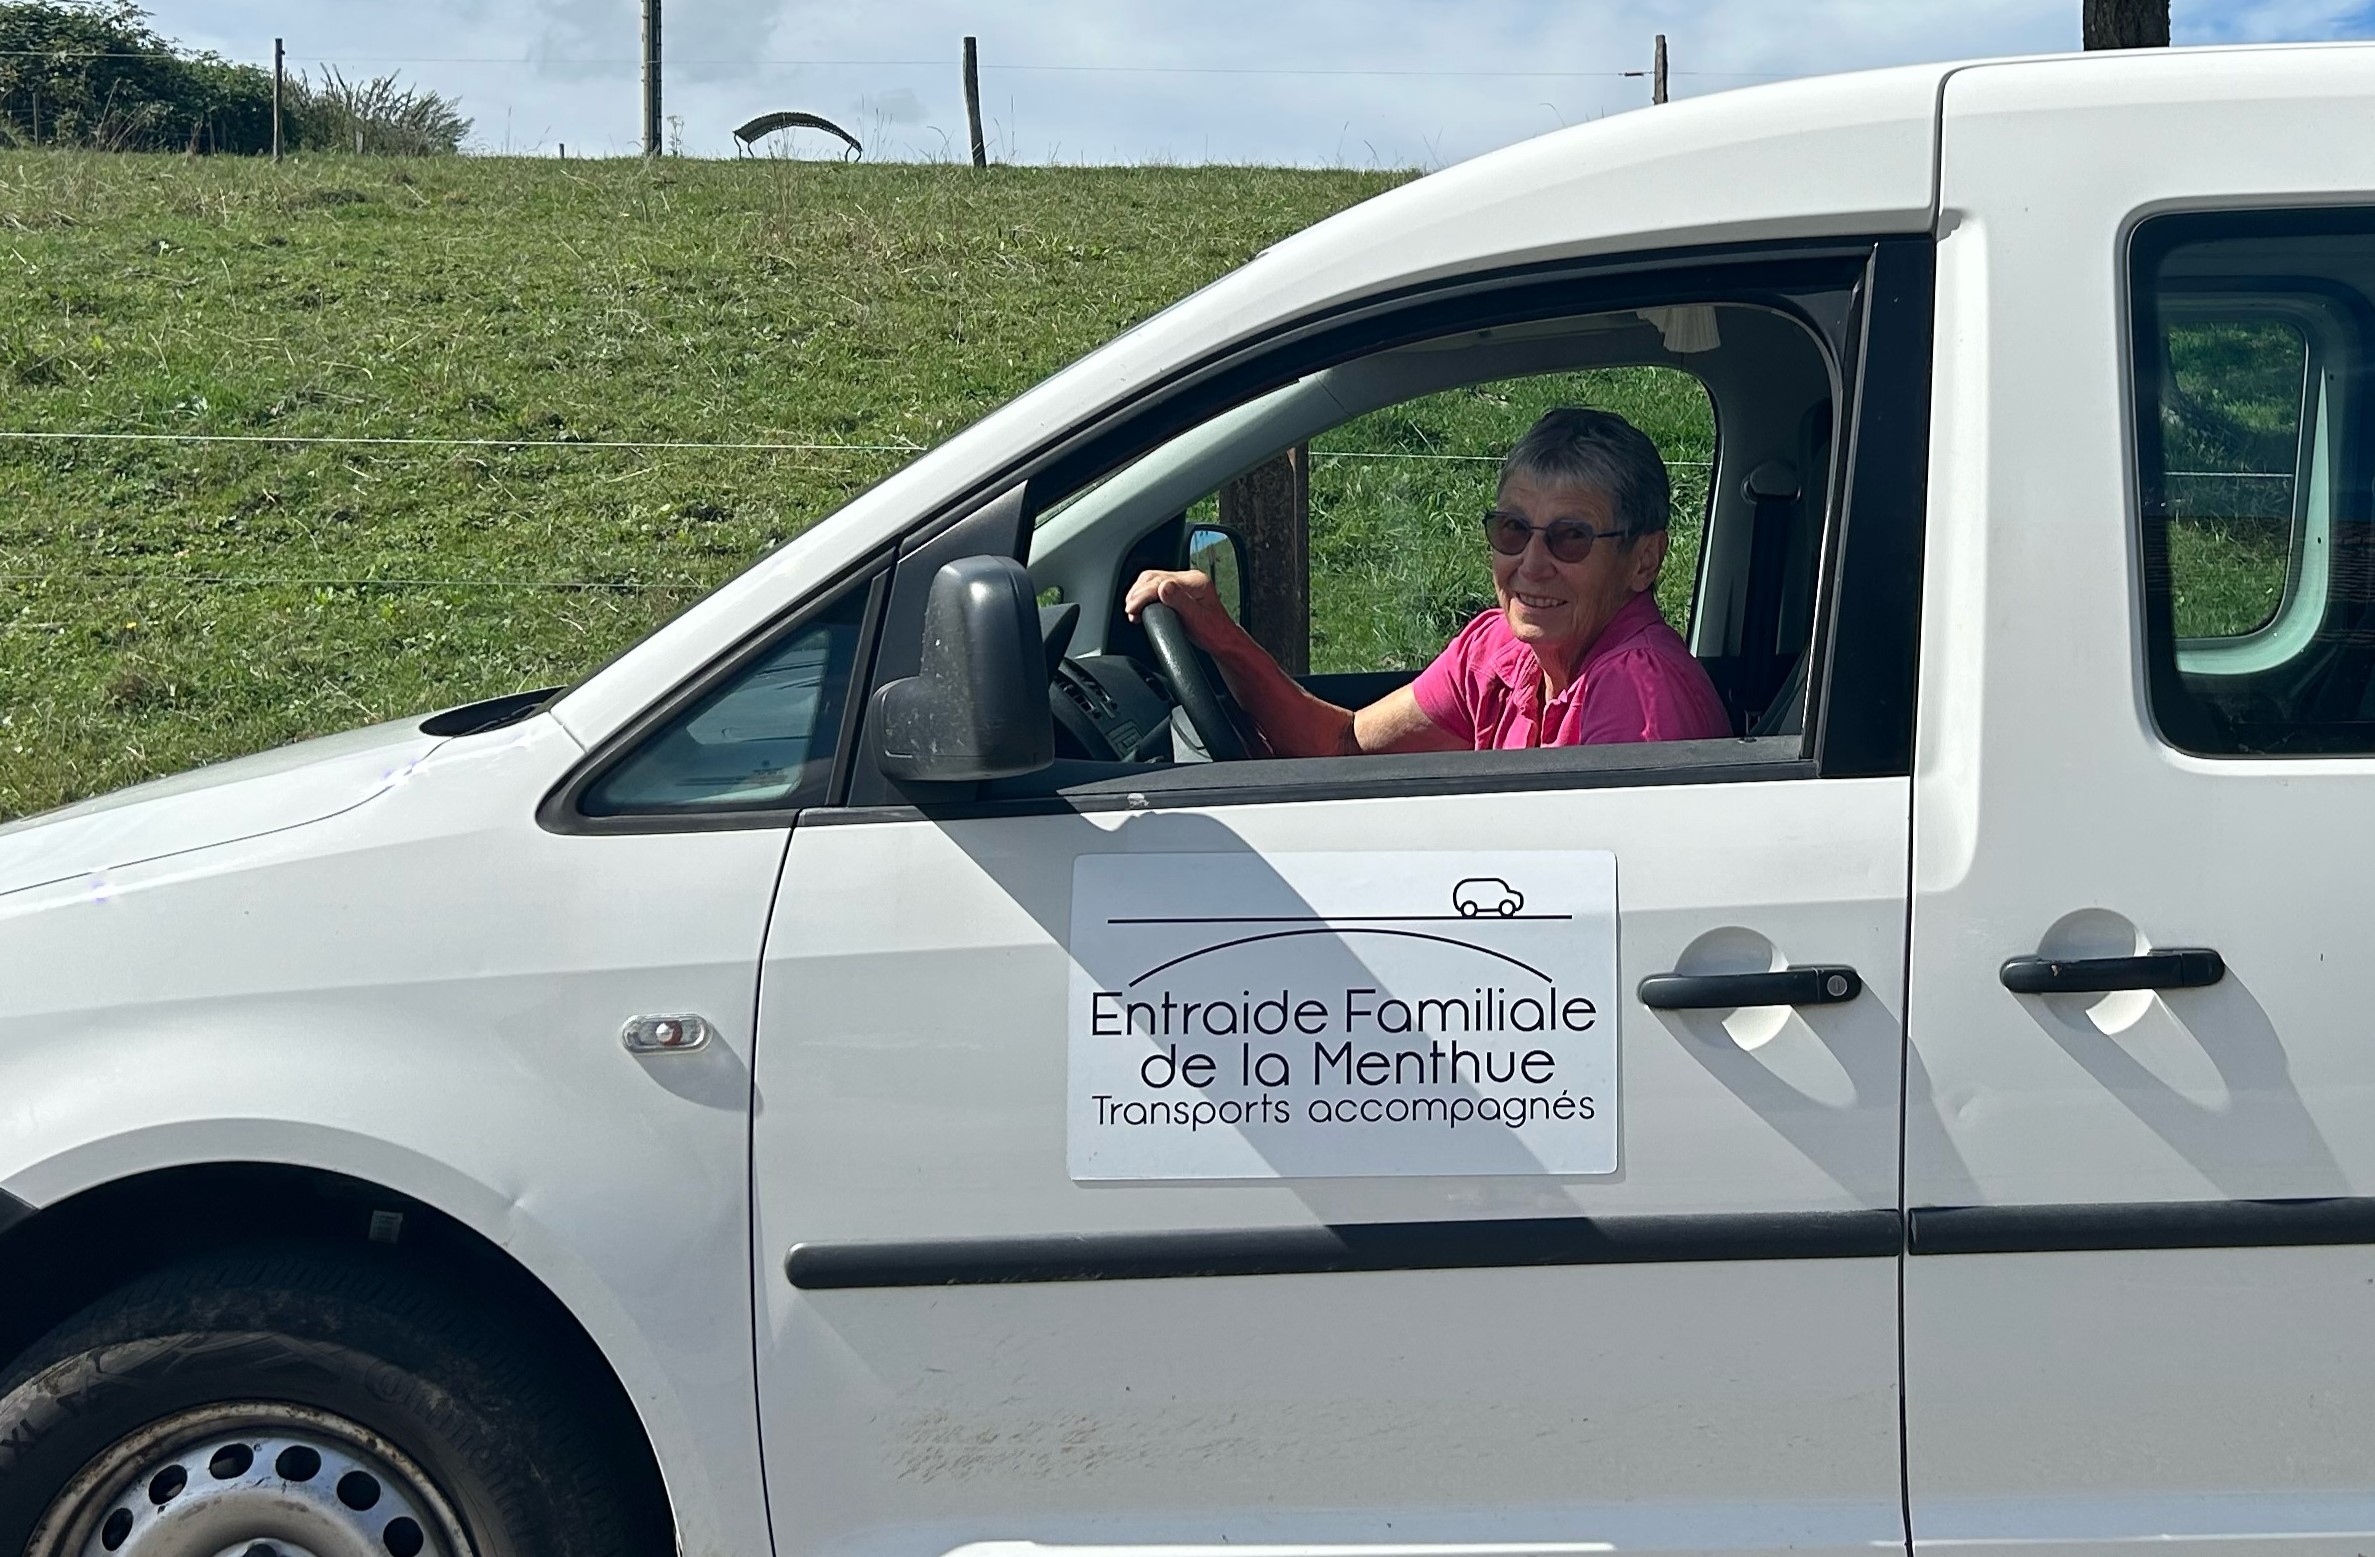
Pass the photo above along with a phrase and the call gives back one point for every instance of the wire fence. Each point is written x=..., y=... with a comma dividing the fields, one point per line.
x=110, y=50
x=2193, y=492
x=119, y=661
x=367, y=441
x=987, y=67
x=162, y=577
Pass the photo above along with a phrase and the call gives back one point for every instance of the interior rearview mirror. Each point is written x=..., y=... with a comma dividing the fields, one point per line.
x=977, y=706
x=1221, y=555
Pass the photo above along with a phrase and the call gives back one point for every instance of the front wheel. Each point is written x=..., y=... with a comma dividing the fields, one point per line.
x=302, y=1401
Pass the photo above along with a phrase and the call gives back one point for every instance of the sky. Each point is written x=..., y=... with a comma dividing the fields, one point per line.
x=1350, y=83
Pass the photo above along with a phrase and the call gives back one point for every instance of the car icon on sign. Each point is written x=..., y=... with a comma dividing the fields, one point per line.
x=1486, y=895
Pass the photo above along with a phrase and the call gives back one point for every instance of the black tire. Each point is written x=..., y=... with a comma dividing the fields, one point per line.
x=510, y=1451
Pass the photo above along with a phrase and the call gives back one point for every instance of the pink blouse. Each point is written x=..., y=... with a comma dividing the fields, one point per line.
x=1637, y=682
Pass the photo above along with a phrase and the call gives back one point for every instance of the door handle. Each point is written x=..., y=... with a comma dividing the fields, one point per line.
x=1829, y=984
x=2178, y=967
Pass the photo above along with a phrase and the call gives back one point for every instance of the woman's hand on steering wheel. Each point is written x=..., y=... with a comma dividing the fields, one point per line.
x=1190, y=592
x=1182, y=614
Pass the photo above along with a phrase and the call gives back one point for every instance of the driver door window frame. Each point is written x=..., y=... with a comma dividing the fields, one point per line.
x=1859, y=718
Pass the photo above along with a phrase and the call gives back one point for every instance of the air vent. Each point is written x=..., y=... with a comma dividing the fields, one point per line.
x=1092, y=697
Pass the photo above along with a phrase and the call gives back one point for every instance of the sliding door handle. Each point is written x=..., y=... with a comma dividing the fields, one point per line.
x=2179, y=967
x=1827, y=985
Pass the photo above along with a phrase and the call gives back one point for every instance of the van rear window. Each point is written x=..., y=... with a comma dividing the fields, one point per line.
x=2253, y=338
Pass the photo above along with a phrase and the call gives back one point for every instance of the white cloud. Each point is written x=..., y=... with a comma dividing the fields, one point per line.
x=535, y=72
x=899, y=106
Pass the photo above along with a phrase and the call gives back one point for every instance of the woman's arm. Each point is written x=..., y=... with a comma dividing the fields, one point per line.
x=1395, y=722
x=1294, y=721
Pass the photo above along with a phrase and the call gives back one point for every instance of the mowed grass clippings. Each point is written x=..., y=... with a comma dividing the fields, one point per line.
x=170, y=603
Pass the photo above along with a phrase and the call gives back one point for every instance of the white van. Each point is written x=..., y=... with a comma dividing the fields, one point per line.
x=853, y=1077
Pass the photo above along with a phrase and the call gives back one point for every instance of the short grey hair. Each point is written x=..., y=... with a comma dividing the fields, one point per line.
x=1577, y=446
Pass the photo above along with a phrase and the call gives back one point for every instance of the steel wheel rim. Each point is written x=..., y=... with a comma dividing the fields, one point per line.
x=222, y=1480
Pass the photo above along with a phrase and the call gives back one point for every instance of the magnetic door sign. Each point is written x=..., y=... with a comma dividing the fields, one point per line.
x=1342, y=1015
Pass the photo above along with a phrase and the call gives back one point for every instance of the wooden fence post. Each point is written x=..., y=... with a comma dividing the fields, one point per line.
x=651, y=78
x=1270, y=506
x=1657, y=77
x=981, y=149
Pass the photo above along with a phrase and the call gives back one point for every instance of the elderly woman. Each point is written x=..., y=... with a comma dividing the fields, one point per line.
x=1575, y=653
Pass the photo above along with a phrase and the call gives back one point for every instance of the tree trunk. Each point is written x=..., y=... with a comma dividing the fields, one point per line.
x=2127, y=24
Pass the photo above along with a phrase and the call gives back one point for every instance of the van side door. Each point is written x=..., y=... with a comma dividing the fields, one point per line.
x=2141, y=1124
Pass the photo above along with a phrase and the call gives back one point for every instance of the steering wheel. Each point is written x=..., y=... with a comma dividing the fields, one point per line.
x=1185, y=667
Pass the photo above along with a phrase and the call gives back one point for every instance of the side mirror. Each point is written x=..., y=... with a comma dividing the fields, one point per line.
x=977, y=706
x=1221, y=554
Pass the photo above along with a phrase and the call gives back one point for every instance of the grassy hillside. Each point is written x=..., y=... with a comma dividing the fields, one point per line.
x=166, y=600
x=166, y=603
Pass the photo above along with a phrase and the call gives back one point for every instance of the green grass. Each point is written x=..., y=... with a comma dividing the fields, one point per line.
x=167, y=604
x=2231, y=402
x=2226, y=576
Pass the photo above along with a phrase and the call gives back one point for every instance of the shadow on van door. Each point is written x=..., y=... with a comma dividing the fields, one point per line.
x=2207, y=1072
x=1811, y=1072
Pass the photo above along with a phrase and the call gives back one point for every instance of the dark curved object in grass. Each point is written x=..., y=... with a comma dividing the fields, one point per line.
x=792, y=119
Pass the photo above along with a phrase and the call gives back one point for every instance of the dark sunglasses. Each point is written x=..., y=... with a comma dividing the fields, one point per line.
x=1568, y=540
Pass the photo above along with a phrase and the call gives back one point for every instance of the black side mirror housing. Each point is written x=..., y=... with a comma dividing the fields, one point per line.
x=977, y=707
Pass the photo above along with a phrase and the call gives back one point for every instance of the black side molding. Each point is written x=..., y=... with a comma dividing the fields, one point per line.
x=1370, y=1246
x=2176, y=1224
x=1547, y=1241
x=12, y=1210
